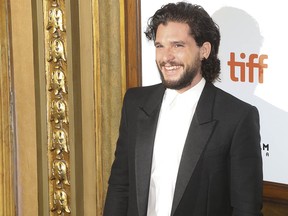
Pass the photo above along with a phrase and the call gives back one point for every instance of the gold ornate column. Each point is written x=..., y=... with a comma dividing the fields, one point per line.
x=90, y=60
x=57, y=108
x=7, y=192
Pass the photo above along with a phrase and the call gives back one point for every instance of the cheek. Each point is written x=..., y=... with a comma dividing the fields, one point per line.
x=159, y=59
x=183, y=55
x=159, y=54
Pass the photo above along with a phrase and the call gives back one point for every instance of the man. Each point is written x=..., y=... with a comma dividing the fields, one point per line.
x=185, y=147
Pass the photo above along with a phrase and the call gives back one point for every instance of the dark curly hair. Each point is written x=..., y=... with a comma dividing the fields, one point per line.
x=202, y=29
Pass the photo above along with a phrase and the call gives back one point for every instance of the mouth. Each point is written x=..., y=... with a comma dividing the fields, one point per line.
x=171, y=68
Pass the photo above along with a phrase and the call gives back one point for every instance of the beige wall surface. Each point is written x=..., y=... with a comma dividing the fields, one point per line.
x=7, y=168
x=25, y=122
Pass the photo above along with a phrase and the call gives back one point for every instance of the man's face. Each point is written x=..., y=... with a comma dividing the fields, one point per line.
x=177, y=56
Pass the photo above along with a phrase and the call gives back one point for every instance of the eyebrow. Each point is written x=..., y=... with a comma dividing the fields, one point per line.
x=156, y=43
x=172, y=42
x=177, y=42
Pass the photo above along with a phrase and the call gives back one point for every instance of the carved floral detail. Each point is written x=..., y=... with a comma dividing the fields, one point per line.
x=57, y=100
x=58, y=82
x=60, y=203
x=55, y=3
x=56, y=51
x=60, y=143
x=60, y=173
x=59, y=112
x=55, y=21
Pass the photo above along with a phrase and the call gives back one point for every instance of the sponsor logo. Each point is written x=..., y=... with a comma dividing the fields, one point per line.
x=265, y=149
x=254, y=62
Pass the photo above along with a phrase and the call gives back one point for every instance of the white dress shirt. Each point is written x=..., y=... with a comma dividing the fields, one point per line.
x=174, y=121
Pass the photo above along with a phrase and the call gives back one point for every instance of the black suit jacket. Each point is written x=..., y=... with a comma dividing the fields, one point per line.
x=220, y=172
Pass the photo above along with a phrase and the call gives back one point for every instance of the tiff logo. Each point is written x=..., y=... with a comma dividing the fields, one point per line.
x=254, y=62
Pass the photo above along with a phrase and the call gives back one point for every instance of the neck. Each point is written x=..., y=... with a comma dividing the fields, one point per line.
x=194, y=82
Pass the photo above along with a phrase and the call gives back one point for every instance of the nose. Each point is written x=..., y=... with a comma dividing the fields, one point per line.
x=168, y=55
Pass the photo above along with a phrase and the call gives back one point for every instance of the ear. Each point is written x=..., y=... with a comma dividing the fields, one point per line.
x=205, y=50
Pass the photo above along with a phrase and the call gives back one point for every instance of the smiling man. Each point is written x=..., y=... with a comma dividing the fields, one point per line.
x=178, y=56
x=185, y=147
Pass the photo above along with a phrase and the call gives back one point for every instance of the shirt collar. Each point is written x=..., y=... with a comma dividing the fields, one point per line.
x=194, y=92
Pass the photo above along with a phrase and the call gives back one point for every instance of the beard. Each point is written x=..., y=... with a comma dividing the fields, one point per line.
x=186, y=77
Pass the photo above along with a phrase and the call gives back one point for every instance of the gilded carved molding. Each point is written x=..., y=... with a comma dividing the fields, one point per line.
x=57, y=108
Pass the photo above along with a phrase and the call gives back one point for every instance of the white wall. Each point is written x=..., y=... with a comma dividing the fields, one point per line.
x=248, y=27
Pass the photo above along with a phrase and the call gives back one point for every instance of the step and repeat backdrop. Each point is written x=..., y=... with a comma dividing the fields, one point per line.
x=254, y=58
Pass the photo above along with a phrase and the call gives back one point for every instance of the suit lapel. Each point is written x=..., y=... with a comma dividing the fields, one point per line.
x=200, y=130
x=146, y=129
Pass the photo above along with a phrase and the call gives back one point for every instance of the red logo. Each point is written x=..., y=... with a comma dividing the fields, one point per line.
x=254, y=62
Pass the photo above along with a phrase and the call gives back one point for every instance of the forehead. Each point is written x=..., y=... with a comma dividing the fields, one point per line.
x=173, y=29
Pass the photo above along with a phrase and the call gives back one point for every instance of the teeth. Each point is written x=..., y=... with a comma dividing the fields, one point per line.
x=171, y=67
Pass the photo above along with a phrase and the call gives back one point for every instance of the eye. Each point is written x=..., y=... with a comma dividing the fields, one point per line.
x=158, y=46
x=179, y=45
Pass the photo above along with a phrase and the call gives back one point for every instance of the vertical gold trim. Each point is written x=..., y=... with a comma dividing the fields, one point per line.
x=98, y=111
x=57, y=107
x=122, y=45
x=7, y=199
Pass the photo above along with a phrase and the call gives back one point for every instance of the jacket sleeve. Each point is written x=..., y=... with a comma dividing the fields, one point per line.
x=246, y=166
x=116, y=203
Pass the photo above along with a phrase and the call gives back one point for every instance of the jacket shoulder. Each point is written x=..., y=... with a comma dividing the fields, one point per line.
x=144, y=89
x=231, y=100
x=138, y=94
x=228, y=105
